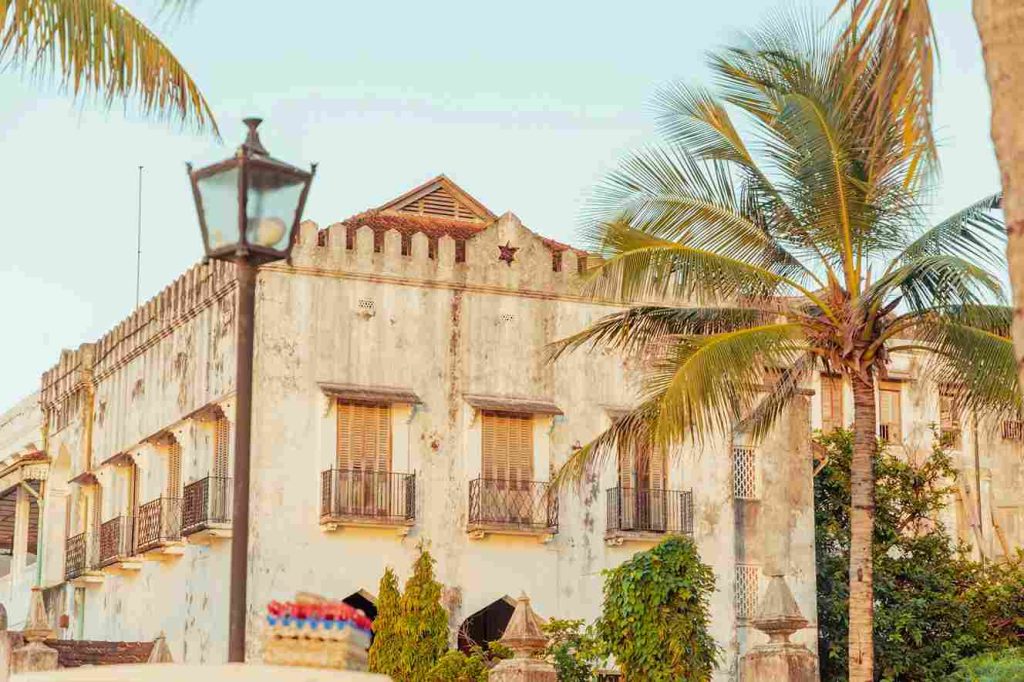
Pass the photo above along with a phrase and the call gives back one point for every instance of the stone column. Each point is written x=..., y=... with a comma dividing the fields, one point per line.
x=35, y=656
x=779, y=660
x=5, y=647
x=19, y=554
x=526, y=639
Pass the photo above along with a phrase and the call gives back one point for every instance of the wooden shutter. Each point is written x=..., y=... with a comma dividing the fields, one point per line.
x=949, y=418
x=656, y=466
x=364, y=437
x=889, y=408
x=507, y=447
x=221, y=445
x=627, y=468
x=97, y=508
x=831, y=403
x=174, y=470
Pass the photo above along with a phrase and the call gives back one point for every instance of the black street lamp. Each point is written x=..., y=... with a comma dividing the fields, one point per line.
x=249, y=209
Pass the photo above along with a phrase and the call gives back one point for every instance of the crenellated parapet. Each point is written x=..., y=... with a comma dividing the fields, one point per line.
x=502, y=254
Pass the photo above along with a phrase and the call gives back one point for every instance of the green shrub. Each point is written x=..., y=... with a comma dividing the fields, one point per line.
x=573, y=649
x=656, y=614
x=456, y=666
x=933, y=606
x=999, y=666
x=385, y=652
x=423, y=624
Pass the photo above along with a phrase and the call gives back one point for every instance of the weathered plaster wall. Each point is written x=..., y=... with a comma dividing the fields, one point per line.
x=438, y=328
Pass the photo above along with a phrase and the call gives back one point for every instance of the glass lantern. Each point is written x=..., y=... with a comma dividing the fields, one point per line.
x=250, y=205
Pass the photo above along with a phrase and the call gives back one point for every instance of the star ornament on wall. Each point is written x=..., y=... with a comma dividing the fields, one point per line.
x=507, y=253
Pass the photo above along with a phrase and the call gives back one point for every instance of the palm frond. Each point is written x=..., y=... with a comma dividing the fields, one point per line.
x=96, y=47
x=777, y=397
x=974, y=233
x=635, y=330
x=669, y=194
x=936, y=282
x=978, y=364
x=901, y=35
x=642, y=267
x=706, y=384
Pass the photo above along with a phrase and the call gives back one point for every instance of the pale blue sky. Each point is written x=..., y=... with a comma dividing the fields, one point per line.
x=524, y=104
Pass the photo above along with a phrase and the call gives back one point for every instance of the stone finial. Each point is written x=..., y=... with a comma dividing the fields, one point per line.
x=778, y=615
x=37, y=626
x=779, y=660
x=524, y=634
x=160, y=653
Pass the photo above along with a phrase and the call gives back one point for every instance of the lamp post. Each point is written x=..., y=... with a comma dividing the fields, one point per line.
x=249, y=208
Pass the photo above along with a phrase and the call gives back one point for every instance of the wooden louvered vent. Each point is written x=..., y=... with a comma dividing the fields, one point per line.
x=439, y=203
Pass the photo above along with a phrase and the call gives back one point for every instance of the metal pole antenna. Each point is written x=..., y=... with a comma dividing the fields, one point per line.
x=138, y=246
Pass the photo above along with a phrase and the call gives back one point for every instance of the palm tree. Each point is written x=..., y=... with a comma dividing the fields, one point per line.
x=790, y=241
x=902, y=31
x=96, y=47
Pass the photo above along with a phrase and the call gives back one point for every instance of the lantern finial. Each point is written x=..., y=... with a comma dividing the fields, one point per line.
x=252, y=143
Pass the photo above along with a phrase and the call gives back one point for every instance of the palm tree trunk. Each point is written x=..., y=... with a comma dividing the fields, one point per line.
x=862, y=521
x=1001, y=28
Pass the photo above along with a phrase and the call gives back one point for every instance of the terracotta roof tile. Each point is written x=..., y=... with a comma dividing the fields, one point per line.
x=74, y=653
x=409, y=223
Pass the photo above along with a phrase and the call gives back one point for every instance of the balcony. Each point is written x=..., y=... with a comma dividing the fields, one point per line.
x=512, y=508
x=355, y=497
x=76, y=556
x=648, y=514
x=116, y=547
x=889, y=433
x=206, y=509
x=1013, y=429
x=158, y=526
x=950, y=438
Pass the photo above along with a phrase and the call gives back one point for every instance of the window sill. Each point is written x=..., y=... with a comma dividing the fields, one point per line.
x=478, y=531
x=335, y=522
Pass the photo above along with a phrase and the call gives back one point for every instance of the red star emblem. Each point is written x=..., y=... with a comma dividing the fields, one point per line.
x=507, y=253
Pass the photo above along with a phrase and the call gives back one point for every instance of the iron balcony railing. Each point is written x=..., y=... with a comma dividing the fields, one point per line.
x=1013, y=429
x=382, y=496
x=116, y=541
x=527, y=505
x=650, y=510
x=204, y=503
x=157, y=522
x=76, y=556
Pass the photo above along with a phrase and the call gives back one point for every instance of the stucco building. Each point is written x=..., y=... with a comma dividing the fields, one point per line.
x=402, y=397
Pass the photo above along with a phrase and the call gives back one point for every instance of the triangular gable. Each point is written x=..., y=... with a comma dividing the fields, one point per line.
x=440, y=198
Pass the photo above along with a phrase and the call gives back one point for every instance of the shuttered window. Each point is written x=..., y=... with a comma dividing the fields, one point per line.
x=507, y=447
x=889, y=425
x=221, y=445
x=641, y=470
x=949, y=418
x=364, y=436
x=831, y=403
x=174, y=470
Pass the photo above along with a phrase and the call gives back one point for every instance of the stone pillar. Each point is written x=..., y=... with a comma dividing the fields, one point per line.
x=35, y=656
x=779, y=660
x=526, y=639
x=5, y=647
x=19, y=555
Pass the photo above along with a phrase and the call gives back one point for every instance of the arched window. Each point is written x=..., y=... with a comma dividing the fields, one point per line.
x=486, y=625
